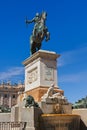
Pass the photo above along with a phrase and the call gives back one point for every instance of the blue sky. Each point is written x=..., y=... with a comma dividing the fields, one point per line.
x=67, y=24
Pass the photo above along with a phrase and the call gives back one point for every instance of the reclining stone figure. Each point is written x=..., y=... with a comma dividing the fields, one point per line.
x=51, y=95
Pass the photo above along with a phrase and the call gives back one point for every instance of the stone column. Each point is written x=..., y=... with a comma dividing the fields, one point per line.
x=2, y=99
x=10, y=101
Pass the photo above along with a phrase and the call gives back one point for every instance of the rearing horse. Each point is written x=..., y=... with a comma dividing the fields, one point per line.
x=40, y=32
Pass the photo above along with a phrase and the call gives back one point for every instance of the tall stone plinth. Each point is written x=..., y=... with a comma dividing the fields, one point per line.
x=40, y=69
x=40, y=73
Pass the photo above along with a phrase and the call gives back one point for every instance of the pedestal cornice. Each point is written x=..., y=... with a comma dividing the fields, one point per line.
x=42, y=54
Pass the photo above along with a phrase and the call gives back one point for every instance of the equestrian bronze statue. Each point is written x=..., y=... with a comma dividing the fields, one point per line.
x=40, y=31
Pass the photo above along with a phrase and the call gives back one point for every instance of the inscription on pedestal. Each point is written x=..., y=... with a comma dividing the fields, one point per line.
x=32, y=75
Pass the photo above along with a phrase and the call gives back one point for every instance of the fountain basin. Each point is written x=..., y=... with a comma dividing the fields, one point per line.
x=59, y=122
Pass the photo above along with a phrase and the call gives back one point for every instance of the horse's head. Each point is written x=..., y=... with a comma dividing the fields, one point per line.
x=44, y=15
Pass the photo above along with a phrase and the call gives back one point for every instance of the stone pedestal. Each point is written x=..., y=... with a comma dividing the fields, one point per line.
x=40, y=70
x=40, y=73
x=28, y=115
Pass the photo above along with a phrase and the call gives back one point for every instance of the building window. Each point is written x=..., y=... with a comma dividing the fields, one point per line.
x=6, y=87
x=5, y=96
x=14, y=96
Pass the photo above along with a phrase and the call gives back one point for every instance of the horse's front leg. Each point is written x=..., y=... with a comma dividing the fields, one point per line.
x=39, y=46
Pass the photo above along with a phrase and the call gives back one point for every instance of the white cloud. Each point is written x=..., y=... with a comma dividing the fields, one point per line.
x=72, y=56
x=78, y=60
x=14, y=71
x=74, y=78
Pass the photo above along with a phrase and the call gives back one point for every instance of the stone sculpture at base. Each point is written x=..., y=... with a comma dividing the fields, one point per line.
x=56, y=97
x=52, y=102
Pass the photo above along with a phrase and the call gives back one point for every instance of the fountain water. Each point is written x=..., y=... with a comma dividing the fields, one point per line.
x=60, y=122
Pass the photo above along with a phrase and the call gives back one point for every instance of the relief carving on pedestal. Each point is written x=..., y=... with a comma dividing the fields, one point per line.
x=49, y=73
x=32, y=75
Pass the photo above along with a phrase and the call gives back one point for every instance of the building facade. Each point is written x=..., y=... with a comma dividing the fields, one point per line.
x=9, y=94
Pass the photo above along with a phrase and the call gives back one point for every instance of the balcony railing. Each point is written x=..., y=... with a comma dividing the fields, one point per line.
x=12, y=125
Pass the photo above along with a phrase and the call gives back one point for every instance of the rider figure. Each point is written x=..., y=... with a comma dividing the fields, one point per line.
x=36, y=20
